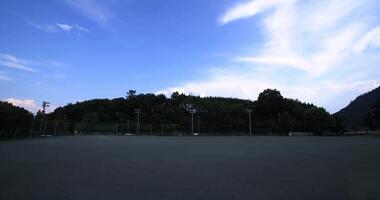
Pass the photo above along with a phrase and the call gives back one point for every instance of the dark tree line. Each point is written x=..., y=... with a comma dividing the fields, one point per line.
x=271, y=114
x=373, y=117
x=14, y=121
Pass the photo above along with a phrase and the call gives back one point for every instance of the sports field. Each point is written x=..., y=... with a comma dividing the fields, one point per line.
x=122, y=167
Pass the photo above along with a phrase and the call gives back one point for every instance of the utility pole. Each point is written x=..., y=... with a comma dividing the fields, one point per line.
x=44, y=105
x=250, y=122
x=199, y=111
x=199, y=127
x=192, y=112
x=138, y=112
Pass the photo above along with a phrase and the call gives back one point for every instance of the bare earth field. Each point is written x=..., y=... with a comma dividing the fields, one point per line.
x=117, y=167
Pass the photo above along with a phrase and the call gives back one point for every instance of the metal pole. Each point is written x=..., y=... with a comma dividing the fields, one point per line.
x=192, y=112
x=199, y=130
x=250, y=123
x=192, y=124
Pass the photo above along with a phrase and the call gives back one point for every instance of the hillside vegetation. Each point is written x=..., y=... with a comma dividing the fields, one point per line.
x=271, y=114
x=357, y=113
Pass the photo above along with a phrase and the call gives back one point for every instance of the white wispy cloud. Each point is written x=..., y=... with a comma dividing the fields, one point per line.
x=4, y=77
x=11, y=61
x=43, y=27
x=70, y=28
x=371, y=39
x=59, y=27
x=93, y=10
x=65, y=27
x=249, y=9
x=14, y=62
x=313, y=37
x=315, y=51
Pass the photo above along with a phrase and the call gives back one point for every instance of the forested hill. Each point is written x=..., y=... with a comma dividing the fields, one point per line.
x=356, y=113
x=14, y=120
x=270, y=113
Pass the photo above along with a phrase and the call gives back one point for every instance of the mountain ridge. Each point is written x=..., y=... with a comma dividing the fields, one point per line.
x=355, y=113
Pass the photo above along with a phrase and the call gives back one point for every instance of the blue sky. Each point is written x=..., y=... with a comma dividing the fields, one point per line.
x=324, y=52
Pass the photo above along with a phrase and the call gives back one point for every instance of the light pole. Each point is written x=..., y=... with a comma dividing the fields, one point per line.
x=192, y=112
x=137, y=112
x=250, y=123
x=199, y=126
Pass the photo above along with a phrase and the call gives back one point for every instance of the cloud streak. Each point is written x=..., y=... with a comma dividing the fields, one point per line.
x=316, y=51
x=4, y=77
x=72, y=28
x=312, y=37
x=59, y=27
x=14, y=62
x=248, y=9
x=11, y=61
x=93, y=10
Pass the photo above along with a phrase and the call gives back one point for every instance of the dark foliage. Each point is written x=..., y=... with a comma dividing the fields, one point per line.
x=355, y=114
x=14, y=121
x=373, y=117
x=272, y=114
